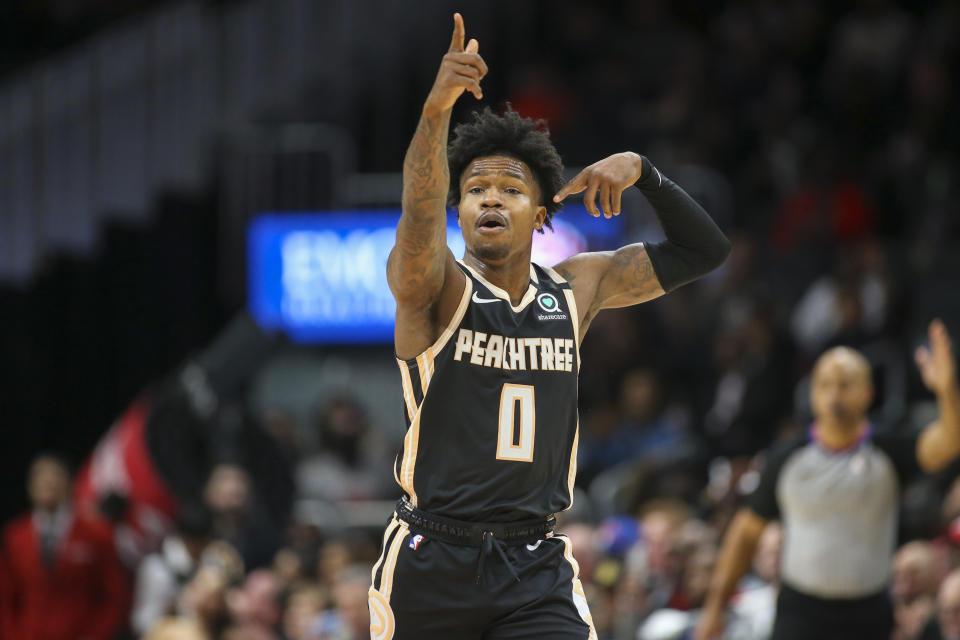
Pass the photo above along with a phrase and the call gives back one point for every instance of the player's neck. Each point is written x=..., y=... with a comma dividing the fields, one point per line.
x=513, y=275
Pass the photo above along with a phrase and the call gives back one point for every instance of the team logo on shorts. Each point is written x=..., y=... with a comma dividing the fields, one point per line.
x=415, y=541
x=381, y=616
x=548, y=302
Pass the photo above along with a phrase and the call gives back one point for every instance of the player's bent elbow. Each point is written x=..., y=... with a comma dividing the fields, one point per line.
x=418, y=297
x=719, y=252
x=712, y=255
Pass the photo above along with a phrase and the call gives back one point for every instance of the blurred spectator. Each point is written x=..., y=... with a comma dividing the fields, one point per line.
x=202, y=601
x=946, y=624
x=60, y=561
x=916, y=576
x=256, y=607
x=176, y=629
x=305, y=605
x=350, y=618
x=333, y=558
x=352, y=462
x=647, y=430
x=754, y=384
x=756, y=603
x=161, y=575
x=916, y=573
x=238, y=518
x=848, y=307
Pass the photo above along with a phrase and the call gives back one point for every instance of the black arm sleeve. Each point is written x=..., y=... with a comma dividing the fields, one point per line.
x=695, y=245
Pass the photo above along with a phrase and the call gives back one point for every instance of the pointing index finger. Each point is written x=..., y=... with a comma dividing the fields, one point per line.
x=576, y=185
x=456, y=43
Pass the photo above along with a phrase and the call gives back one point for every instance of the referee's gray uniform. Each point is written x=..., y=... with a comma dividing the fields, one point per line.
x=839, y=510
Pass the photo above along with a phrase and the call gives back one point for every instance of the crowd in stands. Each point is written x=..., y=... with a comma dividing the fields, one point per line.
x=821, y=136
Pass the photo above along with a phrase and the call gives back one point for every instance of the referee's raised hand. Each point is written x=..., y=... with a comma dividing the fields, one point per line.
x=936, y=362
x=462, y=70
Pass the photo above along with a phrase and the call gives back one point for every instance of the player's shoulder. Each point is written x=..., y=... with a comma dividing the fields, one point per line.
x=583, y=266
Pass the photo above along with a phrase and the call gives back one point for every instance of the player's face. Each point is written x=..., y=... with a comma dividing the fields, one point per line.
x=841, y=389
x=499, y=208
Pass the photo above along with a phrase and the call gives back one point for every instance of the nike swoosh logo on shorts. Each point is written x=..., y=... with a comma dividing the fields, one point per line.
x=482, y=300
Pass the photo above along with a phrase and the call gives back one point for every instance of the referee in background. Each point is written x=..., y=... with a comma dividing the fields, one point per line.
x=836, y=491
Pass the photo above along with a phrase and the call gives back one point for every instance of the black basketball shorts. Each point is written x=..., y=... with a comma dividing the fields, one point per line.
x=801, y=616
x=425, y=588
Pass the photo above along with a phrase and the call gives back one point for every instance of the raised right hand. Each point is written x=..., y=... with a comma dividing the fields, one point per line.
x=461, y=70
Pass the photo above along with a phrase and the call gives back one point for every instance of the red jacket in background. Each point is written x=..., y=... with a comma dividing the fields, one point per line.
x=6, y=596
x=83, y=595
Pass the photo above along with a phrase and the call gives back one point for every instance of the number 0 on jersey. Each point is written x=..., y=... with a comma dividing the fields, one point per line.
x=510, y=447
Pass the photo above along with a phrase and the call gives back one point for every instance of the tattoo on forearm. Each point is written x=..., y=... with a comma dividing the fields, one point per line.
x=425, y=172
x=421, y=234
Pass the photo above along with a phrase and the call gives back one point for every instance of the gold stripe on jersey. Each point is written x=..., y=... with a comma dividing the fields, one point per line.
x=424, y=370
x=572, y=472
x=383, y=545
x=528, y=297
x=409, y=401
x=441, y=342
x=578, y=595
x=411, y=443
x=390, y=566
x=572, y=303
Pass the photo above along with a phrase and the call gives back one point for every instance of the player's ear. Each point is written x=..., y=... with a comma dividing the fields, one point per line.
x=540, y=217
x=459, y=224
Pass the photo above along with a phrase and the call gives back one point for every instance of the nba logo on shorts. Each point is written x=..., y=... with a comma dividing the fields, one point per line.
x=415, y=541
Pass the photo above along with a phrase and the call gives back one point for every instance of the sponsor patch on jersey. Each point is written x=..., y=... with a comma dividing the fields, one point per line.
x=415, y=541
x=548, y=302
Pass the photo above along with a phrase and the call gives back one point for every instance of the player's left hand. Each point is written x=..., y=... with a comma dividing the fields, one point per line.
x=936, y=362
x=608, y=178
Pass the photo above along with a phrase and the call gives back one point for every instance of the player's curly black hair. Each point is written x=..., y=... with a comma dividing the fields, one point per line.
x=511, y=135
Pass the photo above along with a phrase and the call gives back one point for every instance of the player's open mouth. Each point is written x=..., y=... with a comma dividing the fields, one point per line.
x=492, y=221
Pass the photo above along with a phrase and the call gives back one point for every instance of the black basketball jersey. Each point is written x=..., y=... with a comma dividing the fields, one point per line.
x=491, y=406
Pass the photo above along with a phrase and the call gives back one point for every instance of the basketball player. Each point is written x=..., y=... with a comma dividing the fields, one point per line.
x=837, y=491
x=488, y=349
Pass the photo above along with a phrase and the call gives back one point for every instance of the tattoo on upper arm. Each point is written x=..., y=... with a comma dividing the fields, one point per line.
x=567, y=275
x=630, y=277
